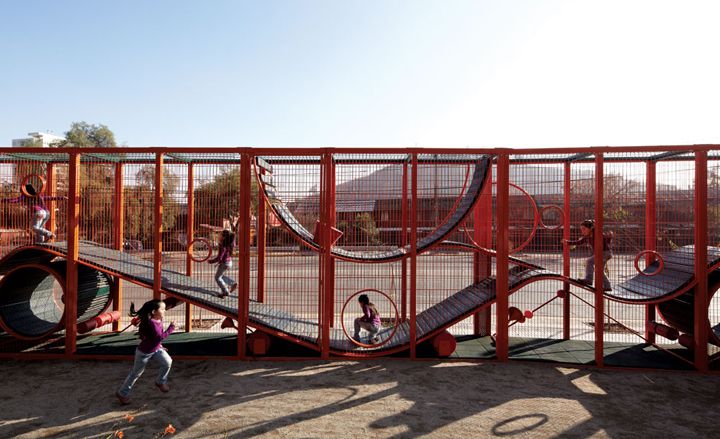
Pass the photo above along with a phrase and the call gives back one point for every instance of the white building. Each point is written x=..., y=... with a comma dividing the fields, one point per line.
x=45, y=139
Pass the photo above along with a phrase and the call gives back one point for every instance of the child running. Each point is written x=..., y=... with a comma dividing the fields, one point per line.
x=224, y=261
x=40, y=211
x=587, y=228
x=151, y=336
x=369, y=321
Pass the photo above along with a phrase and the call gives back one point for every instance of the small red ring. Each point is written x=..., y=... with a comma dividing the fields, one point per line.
x=656, y=255
x=190, y=253
x=364, y=345
x=550, y=207
x=24, y=182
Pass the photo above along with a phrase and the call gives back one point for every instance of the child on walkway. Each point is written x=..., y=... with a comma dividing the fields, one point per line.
x=40, y=213
x=369, y=321
x=587, y=229
x=151, y=336
x=224, y=261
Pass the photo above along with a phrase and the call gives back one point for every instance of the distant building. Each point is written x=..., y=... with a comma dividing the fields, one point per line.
x=44, y=139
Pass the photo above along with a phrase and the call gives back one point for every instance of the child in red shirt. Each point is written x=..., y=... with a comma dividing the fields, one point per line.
x=587, y=229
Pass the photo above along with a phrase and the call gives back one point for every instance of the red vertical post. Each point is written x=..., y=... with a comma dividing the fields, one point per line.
x=701, y=326
x=566, y=250
x=330, y=296
x=503, y=252
x=73, y=219
x=50, y=190
x=482, y=235
x=244, y=257
x=157, y=226
x=650, y=234
x=403, y=241
x=261, y=234
x=118, y=235
x=413, y=256
x=325, y=263
x=190, y=232
x=599, y=266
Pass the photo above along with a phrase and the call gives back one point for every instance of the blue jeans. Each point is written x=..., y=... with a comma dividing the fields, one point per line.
x=590, y=268
x=141, y=360
x=224, y=281
x=38, y=226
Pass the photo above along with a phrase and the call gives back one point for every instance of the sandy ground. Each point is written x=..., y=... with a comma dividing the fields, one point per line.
x=388, y=398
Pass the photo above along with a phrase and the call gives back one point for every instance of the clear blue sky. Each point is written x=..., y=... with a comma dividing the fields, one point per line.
x=364, y=73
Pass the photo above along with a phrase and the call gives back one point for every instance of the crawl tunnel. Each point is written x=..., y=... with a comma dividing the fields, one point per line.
x=32, y=298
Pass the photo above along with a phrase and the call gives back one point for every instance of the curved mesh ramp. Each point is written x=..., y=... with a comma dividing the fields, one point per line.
x=31, y=298
x=679, y=312
x=198, y=291
x=678, y=273
x=481, y=166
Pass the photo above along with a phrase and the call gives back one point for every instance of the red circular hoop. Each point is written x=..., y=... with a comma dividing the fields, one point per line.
x=25, y=181
x=190, y=253
x=365, y=345
x=536, y=219
x=659, y=258
x=551, y=207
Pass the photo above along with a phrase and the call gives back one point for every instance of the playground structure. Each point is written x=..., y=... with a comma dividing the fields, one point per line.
x=451, y=245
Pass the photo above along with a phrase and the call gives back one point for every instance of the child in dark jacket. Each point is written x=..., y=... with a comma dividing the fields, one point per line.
x=224, y=261
x=587, y=229
x=151, y=336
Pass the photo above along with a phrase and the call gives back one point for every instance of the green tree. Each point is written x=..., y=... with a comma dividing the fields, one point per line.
x=139, y=211
x=85, y=135
x=219, y=199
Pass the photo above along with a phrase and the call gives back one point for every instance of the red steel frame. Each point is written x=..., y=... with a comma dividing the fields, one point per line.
x=481, y=235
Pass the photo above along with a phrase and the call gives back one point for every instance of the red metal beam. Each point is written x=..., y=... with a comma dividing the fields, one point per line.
x=243, y=316
x=73, y=217
x=599, y=266
x=157, y=227
x=503, y=251
x=403, y=241
x=261, y=237
x=190, y=236
x=118, y=235
x=701, y=326
x=650, y=234
x=413, y=255
x=567, y=177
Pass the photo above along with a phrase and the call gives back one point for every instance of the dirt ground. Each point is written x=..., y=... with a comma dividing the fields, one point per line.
x=388, y=398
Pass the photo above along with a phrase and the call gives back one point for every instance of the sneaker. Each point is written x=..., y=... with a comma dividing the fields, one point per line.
x=124, y=400
x=233, y=288
x=375, y=340
x=163, y=387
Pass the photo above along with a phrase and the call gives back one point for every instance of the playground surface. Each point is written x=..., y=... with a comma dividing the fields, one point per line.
x=218, y=399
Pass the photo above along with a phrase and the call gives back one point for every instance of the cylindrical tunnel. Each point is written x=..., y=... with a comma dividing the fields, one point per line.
x=32, y=298
x=679, y=312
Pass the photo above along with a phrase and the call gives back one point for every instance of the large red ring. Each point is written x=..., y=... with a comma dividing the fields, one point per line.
x=365, y=345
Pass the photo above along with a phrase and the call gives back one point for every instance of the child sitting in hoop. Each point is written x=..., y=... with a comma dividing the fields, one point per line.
x=224, y=261
x=369, y=321
x=587, y=228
